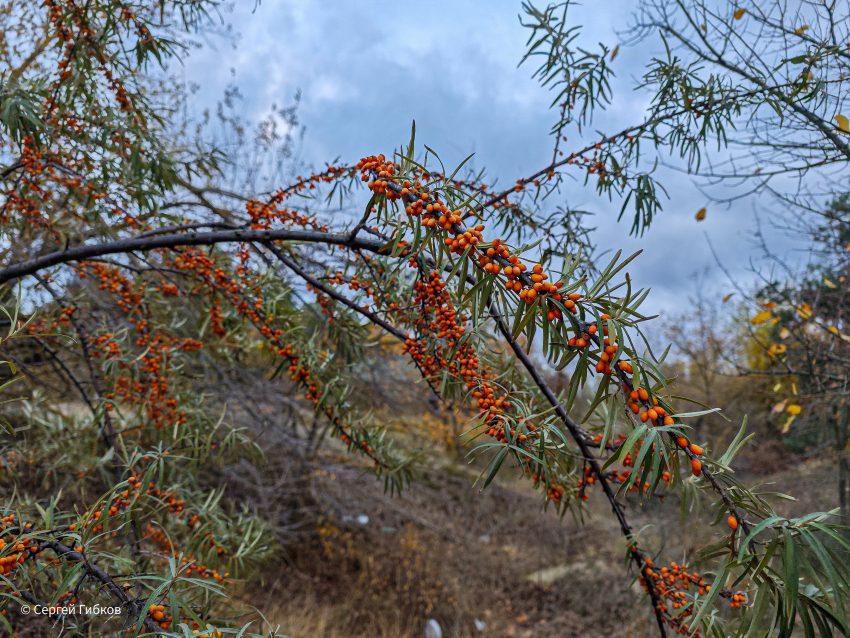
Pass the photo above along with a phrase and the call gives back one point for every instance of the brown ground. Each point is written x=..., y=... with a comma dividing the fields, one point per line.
x=446, y=551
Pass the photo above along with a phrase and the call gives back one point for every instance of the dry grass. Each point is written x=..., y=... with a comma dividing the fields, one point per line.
x=443, y=550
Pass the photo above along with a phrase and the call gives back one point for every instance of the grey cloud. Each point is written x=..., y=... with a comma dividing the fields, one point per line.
x=367, y=70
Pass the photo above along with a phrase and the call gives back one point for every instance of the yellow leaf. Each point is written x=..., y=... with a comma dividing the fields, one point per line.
x=793, y=409
x=777, y=387
x=787, y=425
x=779, y=407
x=760, y=318
x=615, y=52
x=843, y=123
x=784, y=333
x=703, y=27
x=828, y=283
x=700, y=214
x=728, y=297
x=847, y=247
x=804, y=310
x=770, y=305
x=833, y=330
x=773, y=321
x=740, y=13
x=802, y=29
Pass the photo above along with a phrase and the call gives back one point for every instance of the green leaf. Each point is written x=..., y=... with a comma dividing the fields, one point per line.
x=737, y=443
x=530, y=313
x=757, y=530
x=575, y=381
x=494, y=467
x=685, y=415
x=601, y=395
x=154, y=595
x=716, y=586
x=790, y=576
x=626, y=447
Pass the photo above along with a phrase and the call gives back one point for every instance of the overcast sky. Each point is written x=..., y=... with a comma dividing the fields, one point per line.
x=366, y=70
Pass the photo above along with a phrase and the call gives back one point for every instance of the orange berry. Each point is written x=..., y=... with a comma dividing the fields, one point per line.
x=732, y=522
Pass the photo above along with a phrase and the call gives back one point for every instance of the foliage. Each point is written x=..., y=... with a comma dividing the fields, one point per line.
x=799, y=342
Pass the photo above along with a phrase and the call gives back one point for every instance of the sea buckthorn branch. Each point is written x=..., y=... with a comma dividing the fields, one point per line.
x=440, y=362
x=465, y=367
x=752, y=562
x=555, y=493
x=83, y=337
x=657, y=585
x=575, y=431
x=411, y=195
x=391, y=330
x=138, y=491
x=653, y=413
x=496, y=257
x=693, y=452
x=110, y=436
x=394, y=466
x=299, y=366
x=330, y=292
x=50, y=198
x=381, y=184
x=143, y=244
x=423, y=260
x=133, y=607
x=109, y=433
x=95, y=519
x=717, y=57
x=705, y=102
x=517, y=222
x=70, y=311
x=21, y=547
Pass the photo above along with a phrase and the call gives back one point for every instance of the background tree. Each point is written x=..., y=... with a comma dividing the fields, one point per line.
x=799, y=342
